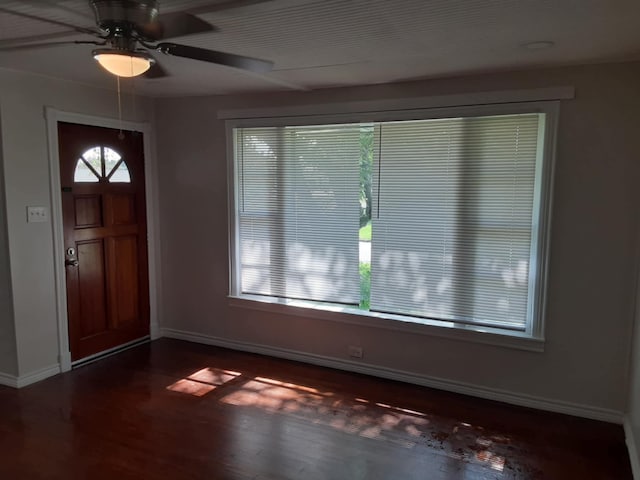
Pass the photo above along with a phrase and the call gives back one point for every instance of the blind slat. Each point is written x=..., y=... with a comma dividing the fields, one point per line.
x=451, y=230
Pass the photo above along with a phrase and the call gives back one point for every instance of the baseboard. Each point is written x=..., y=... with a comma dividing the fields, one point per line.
x=579, y=410
x=154, y=331
x=63, y=366
x=38, y=375
x=65, y=362
x=29, y=378
x=8, y=380
x=632, y=447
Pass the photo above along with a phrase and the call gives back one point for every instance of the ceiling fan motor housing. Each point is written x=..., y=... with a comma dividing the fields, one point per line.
x=124, y=14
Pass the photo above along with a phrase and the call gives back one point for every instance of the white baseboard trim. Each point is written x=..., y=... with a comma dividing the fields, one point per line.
x=38, y=375
x=632, y=447
x=579, y=410
x=29, y=378
x=8, y=380
x=154, y=331
x=65, y=362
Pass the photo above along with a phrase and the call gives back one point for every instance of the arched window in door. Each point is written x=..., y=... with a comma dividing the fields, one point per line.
x=101, y=164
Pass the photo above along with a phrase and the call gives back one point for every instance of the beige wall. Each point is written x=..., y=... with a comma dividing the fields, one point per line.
x=634, y=391
x=593, y=255
x=8, y=359
x=25, y=157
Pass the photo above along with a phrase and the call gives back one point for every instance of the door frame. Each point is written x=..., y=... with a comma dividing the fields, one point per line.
x=53, y=116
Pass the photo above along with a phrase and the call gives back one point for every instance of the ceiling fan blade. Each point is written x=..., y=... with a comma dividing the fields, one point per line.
x=75, y=28
x=155, y=71
x=34, y=46
x=174, y=24
x=223, y=5
x=84, y=13
x=9, y=42
x=212, y=56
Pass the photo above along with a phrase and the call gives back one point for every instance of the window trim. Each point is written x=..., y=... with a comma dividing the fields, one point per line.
x=353, y=316
x=532, y=338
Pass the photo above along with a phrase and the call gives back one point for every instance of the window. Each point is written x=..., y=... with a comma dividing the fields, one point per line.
x=298, y=212
x=435, y=221
x=101, y=163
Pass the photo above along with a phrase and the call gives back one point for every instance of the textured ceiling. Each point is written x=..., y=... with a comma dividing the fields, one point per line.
x=327, y=43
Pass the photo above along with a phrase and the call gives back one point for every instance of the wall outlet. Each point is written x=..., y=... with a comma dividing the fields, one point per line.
x=355, y=352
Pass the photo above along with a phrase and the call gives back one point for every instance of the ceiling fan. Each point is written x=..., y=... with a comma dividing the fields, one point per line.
x=127, y=30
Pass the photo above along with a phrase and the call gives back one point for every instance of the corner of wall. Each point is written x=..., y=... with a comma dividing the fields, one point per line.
x=632, y=416
x=631, y=437
x=8, y=348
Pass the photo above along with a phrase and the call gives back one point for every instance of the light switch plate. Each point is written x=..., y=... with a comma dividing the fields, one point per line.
x=37, y=214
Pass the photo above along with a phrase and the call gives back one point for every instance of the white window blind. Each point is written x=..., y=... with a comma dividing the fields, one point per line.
x=298, y=211
x=452, y=226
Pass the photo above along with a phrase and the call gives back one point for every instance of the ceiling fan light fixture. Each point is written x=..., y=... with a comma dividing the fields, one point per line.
x=123, y=63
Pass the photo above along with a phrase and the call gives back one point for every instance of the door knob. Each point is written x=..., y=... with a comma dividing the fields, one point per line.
x=71, y=263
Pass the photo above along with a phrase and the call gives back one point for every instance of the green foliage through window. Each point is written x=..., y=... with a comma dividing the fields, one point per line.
x=365, y=285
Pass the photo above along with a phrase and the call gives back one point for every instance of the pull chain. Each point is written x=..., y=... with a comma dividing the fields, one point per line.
x=133, y=98
x=121, y=134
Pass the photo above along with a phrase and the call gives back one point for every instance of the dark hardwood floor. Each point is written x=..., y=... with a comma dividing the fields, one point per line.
x=176, y=410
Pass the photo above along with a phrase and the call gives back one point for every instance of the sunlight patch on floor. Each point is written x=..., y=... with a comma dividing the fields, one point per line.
x=357, y=416
x=203, y=381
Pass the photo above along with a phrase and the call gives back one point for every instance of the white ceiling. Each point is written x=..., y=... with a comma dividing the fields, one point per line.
x=329, y=43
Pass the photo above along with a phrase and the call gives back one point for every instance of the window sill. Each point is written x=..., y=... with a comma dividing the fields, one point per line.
x=345, y=314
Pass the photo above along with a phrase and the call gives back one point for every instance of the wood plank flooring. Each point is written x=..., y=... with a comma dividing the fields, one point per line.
x=176, y=410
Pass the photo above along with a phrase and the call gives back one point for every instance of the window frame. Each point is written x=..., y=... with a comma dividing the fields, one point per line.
x=532, y=338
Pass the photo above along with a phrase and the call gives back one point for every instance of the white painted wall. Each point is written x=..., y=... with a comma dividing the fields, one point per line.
x=593, y=256
x=8, y=359
x=633, y=418
x=23, y=99
x=594, y=233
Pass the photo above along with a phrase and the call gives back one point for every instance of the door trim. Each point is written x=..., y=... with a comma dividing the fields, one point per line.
x=53, y=116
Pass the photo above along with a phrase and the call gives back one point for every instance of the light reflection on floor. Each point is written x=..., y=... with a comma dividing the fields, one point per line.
x=355, y=416
x=203, y=381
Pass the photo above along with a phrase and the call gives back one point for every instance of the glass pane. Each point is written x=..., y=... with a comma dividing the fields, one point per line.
x=452, y=240
x=83, y=173
x=111, y=159
x=300, y=218
x=93, y=157
x=121, y=174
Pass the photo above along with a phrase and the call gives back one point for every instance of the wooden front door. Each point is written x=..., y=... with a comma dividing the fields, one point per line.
x=104, y=214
